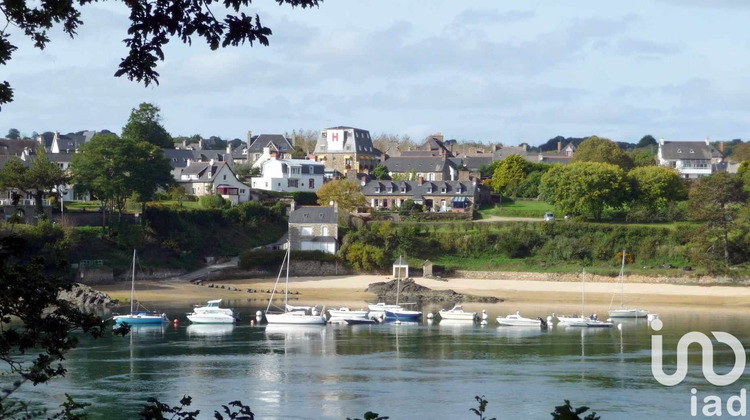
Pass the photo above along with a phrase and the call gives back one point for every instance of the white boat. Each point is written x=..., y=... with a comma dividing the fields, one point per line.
x=583, y=321
x=516, y=320
x=212, y=314
x=624, y=312
x=458, y=313
x=347, y=313
x=136, y=317
x=382, y=307
x=399, y=313
x=297, y=315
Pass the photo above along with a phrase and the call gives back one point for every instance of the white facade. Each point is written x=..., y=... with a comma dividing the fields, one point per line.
x=217, y=178
x=289, y=175
x=691, y=159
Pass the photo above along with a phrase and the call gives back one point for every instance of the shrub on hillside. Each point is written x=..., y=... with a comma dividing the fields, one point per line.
x=214, y=202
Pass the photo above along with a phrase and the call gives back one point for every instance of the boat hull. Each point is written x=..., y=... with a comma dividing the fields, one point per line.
x=347, y=314
x=211, y=319
x=628, y=313
x=140, y=319
x=403, y=315
x=518, y=322
x=382, y=307
x=295, y=318
x=459, y=316
x=360, y=321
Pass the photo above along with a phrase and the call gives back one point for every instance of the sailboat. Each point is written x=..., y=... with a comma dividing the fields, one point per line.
x=398, y=313
x=624, y=312
x=305, y=315
x=583, y=321
x=136, y=317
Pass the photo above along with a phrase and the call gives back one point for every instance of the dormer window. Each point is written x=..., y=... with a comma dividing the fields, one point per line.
x=403, y=189
x=459, y=189
x=390, y=189
x=692, y=151
x=679, y=150
x=442, y=190
x=429, y=189
x=377, y=189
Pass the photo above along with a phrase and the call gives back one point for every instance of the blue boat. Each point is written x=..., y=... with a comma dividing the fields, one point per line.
x=403, y=315
x=139, y=317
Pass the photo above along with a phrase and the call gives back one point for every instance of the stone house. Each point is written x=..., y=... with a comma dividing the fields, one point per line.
x=345, y=149
x=268, y=146
x=438, y=196
x=314, y=228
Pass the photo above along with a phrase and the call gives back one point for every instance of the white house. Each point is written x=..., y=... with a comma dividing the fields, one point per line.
x=290, y=175
x=314, y=228
x=692, y=159
x=206, y=178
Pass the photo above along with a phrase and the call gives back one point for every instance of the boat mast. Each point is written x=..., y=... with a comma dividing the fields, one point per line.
x=132, y=285
x=286, y=288
x=275, y=285
x=398, y=280
x=622, y=278
x=583, y=293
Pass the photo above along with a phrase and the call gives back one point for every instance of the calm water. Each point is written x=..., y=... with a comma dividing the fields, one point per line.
x=403, y=371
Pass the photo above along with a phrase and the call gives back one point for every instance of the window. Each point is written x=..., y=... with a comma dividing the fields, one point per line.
x=257, y=156
x=390, y=189
x=324, y=231
x=429, y=189
x=295, y=170
x=442, y=190
x=311, y=183
x=292, y=183
x=225, y=177
x=193, y=190
x=306, y=231
x=242, y=190
x=377, y=190
x=679, y=150
x=403, y=189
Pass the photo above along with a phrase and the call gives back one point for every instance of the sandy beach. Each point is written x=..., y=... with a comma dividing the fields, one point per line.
x=352, y=289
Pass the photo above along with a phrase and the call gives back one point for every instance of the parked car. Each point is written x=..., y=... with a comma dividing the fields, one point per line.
x=549, y=217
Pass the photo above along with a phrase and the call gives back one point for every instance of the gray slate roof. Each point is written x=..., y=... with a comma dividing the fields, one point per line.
x=674, y=150
x=15, y=147
x=413, y=188
x=178, y=158
x=281, y=143
x=361, y=143
x=473, y=163
x=72, y=141
x=60, y=157
x=201, y=169
x=314, y=214
x=401, y=261
x=419, y=164
x=506, y=151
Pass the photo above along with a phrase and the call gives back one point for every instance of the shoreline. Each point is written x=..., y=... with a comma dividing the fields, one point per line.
x=352, y=289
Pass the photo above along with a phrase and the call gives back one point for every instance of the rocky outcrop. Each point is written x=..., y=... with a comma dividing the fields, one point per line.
x=83, y=295
x=413, y=292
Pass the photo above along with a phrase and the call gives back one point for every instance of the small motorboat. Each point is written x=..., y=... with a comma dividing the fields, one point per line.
x=402, y=314
x=381, y=307
x=212, y=314
x=516, y=320
x=458, y=313
x=347, y=313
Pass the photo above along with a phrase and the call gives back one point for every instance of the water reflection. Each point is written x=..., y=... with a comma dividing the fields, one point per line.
x=520, y=333
x=300, y=339
x=209, y=330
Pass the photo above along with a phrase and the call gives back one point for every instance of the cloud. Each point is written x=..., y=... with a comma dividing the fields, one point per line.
x=635, y=46
x=490, y=16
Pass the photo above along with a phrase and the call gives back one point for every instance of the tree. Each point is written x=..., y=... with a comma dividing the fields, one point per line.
x=597, y=149
x=13, y=134
x=113, y=169
x=381, y=172
x=741, y=153
x=246, y=171
x=144, y=124
x=586, y=188
x=342, y=192
x=38, y=180
x=646, y=141
x=34, y=347
x=715, y=200
x=654, y=187
x=152, y=25
x=509, y=174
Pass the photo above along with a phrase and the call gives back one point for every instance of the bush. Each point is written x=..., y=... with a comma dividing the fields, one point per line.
x=214, y=202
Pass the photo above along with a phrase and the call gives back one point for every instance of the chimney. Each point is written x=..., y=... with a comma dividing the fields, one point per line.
x=420, y=180
x=364, y=181
x=184, y=144
x=559, y=146
x=721, y=147
x=229, y=147
x=249, y=137
x=200, y=143
x=292, y=206
x=211, y=162
x=661, y=141
x=708, y=141
x=40, y=139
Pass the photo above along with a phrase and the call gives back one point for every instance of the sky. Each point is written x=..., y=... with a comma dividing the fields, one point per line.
x=498, y=72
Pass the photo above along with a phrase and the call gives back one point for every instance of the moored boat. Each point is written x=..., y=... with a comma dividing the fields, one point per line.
x=347, y=313
x=457, y=313
x=516, y=320
x=624, y=312
x=212, y=314
x=299, y=315
x=136, y=317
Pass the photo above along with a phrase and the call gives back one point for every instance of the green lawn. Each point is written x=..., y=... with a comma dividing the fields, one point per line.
x=519, y=208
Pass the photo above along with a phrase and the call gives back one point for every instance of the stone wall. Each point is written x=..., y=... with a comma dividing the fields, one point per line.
x=297, y=269
x=103, y=275
x=576, y=277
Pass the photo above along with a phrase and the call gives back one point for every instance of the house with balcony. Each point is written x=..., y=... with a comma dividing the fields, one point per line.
x=691, y=159
x=314, y=228
x=290, y=175
x=207, y=178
